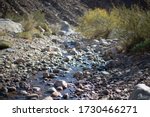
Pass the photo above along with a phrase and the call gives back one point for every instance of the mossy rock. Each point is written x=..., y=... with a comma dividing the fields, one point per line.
x=4, y=44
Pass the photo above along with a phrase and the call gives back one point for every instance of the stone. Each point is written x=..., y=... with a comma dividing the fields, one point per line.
x=60, y=88
x=23, y=92
x=56, y=94
x=140, y=92
x=51, y=90
x=73, y=51
x=18, y=61
x=10, y=26
x=79, y=91
x=78, y=75
x=32, y=96
x=11, y=89
x=105, y=73
x=48, y=98
x=61, y=83
x=118, y=90
x=104, y=42
x=65, y=28
x=46, y=74
x=56, y=71
x=105, y=92
x=36, y=89
x=66, y=96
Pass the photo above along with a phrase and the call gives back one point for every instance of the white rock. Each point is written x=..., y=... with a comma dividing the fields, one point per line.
x=141, y=92
x=61, y=83
x=10, y=26
x=48, y=98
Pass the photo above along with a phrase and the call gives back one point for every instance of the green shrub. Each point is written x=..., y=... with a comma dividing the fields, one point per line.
x=33, y=25
x=130, y=25
x=133, y=25
x=95, y=23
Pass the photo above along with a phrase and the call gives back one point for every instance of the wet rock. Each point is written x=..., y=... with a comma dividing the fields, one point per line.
x=51, y=90
x=60, y=88
x=52, y=75
x=105, y=92
x=11, y=89
x=61, y=83
x=46, y=74
x=68, y=58
x=56, y=94
x=56, y=71
x=19, y=61
x=105, y=73
x=78, y=75
x=66, y=96
x=118, y=90
x=4, y=89
x=73, y=51
x=23, y=92
x=48, y=98
x=79, y=91
x=32, y=96
x=37, y=89
x=141, y=92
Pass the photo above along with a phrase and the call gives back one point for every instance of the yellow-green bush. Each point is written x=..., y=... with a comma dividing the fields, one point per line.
x=130, y=25
x=133, y=25
x=95, y=23
x=33, y=24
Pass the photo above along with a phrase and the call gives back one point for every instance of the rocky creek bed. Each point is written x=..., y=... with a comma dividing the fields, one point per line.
x=70, y=67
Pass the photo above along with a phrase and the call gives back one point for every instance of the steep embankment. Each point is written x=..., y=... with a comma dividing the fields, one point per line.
x=68, y=10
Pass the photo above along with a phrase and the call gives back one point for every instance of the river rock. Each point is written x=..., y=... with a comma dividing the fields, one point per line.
x=61, y=83
x=36, y=89
x=10, y=26
x=66, y=96
x=32, y=96
x=51, y=90
x=56, y=94
x=140, y=92
x=11, y=89
x=48, y=98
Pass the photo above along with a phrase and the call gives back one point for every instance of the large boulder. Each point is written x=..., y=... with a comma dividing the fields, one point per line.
x=10, y=26
x=141, y=92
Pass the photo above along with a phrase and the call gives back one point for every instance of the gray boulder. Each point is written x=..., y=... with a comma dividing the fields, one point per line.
x=65, y=28
x=141, y=92
x=10, y=26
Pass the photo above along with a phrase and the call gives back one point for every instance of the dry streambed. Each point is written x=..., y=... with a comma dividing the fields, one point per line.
x=68, y=67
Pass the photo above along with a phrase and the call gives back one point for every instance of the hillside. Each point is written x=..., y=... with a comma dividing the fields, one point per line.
x=68, y=10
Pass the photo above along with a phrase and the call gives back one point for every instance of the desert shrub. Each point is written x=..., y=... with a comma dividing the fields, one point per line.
x=35, y=25
x=14, y=16
x=130, y=25
x=95, y=23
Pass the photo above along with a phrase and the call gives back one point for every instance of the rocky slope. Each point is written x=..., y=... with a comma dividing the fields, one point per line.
x=68, y=10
